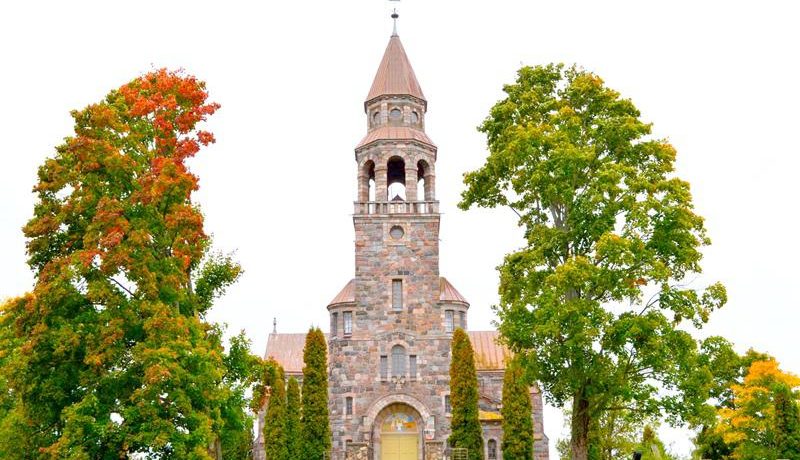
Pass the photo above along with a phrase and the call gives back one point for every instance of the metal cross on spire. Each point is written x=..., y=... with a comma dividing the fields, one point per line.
x=394, y=19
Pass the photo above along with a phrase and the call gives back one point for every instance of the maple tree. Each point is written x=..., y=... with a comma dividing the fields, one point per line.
x=113, y=356
x=597, y=301
x=763, y=420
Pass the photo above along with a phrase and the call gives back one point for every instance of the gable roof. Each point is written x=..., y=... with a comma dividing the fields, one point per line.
x=395, y=76
x=287, y=349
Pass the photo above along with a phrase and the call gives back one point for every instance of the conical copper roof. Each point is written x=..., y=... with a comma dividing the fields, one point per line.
x=395, y=76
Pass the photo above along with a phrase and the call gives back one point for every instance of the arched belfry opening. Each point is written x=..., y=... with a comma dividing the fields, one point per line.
x=366, y=182
x=424, y=181
x=396, y=178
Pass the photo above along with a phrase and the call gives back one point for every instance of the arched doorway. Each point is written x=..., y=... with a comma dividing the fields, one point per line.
x=399, y=433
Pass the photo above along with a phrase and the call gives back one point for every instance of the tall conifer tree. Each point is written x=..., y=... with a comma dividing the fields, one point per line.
x=293, y=435
x=465, y=426
x=275, y=439
x=315, y=425
x=516, y=411
x=787, y=422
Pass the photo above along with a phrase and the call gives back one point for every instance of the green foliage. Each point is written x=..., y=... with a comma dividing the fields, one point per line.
x=651, y=447
x=787, y=423
x=241, y=369
x=597, y=301
x=516, y=410
x=275, y=439
x=729, y=369
x=761, y=421
x=465, y=425
x=109, y=356
x=316, y=429
x=294, y=441
x=612, y=436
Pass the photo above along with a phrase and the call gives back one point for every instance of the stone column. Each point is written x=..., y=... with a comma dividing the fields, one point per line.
x=411, y=183
x=381, y=187
x=363, y=186
x=430, y=187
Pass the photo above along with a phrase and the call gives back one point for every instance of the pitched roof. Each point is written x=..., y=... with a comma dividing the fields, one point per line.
x=448, y=293
x=489, y=355
x=346, y=295
x=395, y=75
x=395, y=133
x=287, y=349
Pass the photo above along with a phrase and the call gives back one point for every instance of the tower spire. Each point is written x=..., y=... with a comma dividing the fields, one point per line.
x=394, y=19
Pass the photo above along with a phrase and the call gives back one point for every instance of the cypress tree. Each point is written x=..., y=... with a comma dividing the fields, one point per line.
x=465, y=427
x=293, y=436
x=516, y=411
x=787, y=423
x=275, y=439
x=316, y=430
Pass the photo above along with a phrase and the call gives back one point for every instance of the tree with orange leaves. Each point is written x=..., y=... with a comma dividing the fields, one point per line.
x=113, y=356
x=763, y=422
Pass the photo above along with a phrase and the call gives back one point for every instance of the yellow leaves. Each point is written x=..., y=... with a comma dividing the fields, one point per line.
x=155, y=374
x=754, y=411
x=767, y=372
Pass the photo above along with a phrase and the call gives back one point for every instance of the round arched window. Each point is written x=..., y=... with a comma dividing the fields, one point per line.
x=395, y=114
x=376, y=118
x=414, y=117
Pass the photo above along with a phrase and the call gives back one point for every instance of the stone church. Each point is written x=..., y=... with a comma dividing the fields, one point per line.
x=391, y=325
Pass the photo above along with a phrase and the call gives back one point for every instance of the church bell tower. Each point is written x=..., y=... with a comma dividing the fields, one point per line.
x=392, y=324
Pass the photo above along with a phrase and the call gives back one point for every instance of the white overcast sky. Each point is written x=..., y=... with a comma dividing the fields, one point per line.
x=720, y=79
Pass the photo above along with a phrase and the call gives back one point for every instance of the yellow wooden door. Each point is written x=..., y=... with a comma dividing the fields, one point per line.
x=398, y=446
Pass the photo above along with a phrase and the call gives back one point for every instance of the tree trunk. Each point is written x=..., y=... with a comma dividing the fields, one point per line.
x=579, y=444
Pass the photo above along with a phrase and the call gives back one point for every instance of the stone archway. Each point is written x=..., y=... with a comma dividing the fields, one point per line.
x=397, y=433
x=397, y=424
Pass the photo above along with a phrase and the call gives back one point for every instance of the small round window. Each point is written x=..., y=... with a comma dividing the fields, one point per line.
x=395, y=114
x=376, y=118
x=414, y=117
x=396, y=232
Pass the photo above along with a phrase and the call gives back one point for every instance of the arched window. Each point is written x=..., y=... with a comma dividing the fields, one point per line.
x=492, y=449
x=398, y=361
x=376, y=118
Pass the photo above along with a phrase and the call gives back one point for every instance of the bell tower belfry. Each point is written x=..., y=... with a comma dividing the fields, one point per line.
x=392, y=324
x=396, y=215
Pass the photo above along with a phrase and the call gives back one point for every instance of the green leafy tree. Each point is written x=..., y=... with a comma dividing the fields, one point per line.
x=294, y=441
x=241, y=371
x=612, y=436
x=516, y=410
x=114, y=357
x=651, y=447
x=760, y=422
x=275, y=438
x=787, y=422
x=465, y=425
x=598, y=301
x=729, y=369
x=316, y=429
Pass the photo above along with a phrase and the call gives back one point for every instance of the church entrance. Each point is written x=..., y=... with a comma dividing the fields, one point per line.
x=399, y=433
